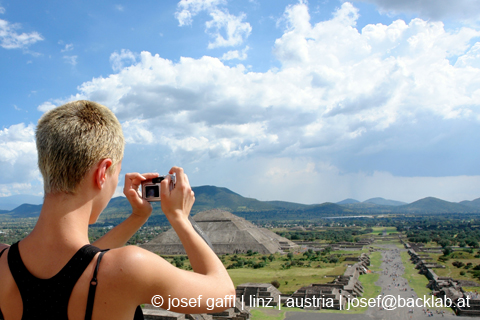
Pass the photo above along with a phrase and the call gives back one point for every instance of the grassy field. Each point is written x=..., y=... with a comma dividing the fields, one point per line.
x=375, y=261
x=415, y=280
x=377, y=230
x=452, y=271
x=290, y=279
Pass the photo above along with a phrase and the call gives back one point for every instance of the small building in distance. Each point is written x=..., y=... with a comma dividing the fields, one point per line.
x=228, y=233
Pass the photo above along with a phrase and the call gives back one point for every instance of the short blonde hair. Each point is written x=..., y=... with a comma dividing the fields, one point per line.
x=74, y=137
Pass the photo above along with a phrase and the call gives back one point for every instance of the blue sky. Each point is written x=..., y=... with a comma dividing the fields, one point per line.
x=277, y=100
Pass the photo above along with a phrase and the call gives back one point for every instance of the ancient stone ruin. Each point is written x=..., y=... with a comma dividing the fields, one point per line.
x=258, y=294
x=238, y=312
x=446, y=286
x=228, y=234
x=338, y=290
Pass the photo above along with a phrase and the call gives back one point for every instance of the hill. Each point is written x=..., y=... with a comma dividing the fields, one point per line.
x=348, y=201
x=211, y=197
x=384, y=202
x=474, y=203
x=435, y=205
x=25, y=211
x=11, y=202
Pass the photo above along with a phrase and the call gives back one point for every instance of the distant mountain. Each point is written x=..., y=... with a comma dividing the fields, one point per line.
x=435, y=205
x=474, y=203
x=208, y=197
x=348, y=201
x=211, y=197
x=11, y=202
x=287, y=205
x=26, y=210
x=384, y=202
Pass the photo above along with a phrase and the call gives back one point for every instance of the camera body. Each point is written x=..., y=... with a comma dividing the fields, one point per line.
x=151, y=188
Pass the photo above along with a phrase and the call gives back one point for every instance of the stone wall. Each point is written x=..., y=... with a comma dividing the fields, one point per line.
x=258, y=293
x=338, y=290
x=447, y=287
x=235, y=313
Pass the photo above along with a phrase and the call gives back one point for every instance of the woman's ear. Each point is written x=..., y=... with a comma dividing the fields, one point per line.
x=101, y=173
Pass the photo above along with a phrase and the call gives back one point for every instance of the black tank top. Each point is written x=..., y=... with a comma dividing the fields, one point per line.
x=48, y=298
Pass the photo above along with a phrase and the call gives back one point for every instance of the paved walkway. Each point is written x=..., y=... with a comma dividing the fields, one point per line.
x=392, y=283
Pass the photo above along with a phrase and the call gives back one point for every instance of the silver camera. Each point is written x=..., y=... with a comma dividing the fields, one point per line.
x=151, y=188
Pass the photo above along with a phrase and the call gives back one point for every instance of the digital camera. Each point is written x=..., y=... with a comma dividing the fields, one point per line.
x=151, y=188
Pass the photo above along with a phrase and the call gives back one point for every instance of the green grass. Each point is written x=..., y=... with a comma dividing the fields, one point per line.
x=375, y=261
x=452, y=271
x=380, y=229
x=370, y=290
x=416, y=281
x=296, y=277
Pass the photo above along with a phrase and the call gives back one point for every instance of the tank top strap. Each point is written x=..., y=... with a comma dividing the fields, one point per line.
x=48, y=298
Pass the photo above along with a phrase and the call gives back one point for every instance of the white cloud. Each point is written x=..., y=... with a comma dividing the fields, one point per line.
x=235, y=54
x=72, y=60
x=122, y=59
x=44, y=107
x=385, y=100
x=226, y=29
x=187, y=9
x=471, y=59
x=10, y=39
x=2, y=10
x=119, y=7
x=236, y=31
x=68, y=47
x=18, y=154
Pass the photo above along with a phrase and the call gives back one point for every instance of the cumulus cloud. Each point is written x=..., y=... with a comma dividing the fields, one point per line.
x=436, y=10
x=18, y=154
x=10, y=39
x=235, y=29
x=399, y=99
x=122, y=59
x=336, y=85
x=226, y=29
x=187, y=9
x=44, y=107
x=235, y=54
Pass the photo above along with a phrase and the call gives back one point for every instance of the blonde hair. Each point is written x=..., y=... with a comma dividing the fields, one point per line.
x=74, y=137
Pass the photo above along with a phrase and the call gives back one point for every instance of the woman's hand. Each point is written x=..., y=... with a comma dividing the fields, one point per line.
x=133, y=181
x=177, y=203
x=141, y=210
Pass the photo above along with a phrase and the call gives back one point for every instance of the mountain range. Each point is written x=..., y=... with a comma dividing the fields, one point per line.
x=211, y=197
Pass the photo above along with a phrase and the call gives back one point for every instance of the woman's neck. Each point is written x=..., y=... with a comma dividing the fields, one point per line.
x=63, y=221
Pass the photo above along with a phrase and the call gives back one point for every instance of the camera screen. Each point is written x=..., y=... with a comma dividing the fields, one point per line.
x=152, y=191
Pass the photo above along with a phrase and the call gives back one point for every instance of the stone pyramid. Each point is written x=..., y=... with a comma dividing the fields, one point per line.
x=227, y=232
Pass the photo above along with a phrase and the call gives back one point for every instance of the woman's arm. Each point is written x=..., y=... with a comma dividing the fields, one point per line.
x=148, y=275
x=141, y=211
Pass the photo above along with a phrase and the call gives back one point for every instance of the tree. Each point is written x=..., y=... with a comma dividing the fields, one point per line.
x=275, y=283
x=447, y=251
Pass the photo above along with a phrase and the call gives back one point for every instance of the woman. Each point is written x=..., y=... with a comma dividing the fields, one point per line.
x=53, y=273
